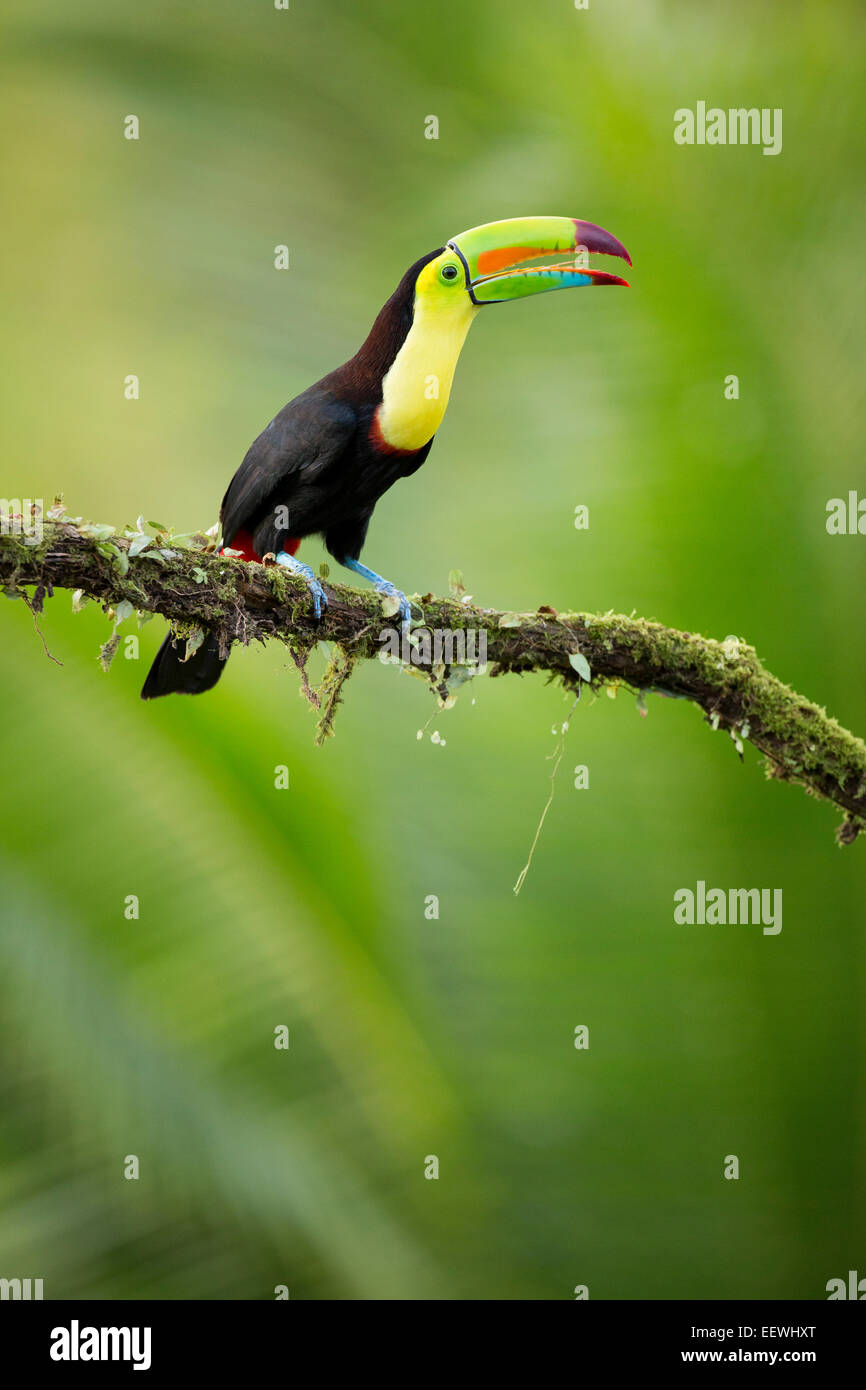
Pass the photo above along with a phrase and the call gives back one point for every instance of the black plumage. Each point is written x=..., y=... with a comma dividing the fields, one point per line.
x=318, y=468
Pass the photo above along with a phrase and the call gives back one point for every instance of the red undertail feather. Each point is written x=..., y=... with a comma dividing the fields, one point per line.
x=380, y=443
x=243, y=541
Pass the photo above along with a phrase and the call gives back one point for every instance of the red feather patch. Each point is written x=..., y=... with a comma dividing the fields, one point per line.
x=380, y=443
x=243, y=541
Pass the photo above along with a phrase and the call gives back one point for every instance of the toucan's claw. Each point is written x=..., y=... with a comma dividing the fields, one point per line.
x=383, y=586
x=391, y=591
x=317, y=593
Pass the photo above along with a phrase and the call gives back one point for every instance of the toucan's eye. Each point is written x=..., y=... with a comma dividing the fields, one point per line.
x=449, y=272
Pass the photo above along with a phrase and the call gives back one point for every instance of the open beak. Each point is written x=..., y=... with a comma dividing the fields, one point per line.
x=531, y=255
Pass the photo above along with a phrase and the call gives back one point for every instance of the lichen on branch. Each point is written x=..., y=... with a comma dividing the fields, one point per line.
x=148, y=569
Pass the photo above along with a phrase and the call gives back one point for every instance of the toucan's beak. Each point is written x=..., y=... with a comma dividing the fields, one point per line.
x=530, y=255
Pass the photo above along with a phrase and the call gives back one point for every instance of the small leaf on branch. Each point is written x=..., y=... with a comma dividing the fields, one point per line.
x=193, y=642
x=108, y=651
x=96, y=530
x=580, y=664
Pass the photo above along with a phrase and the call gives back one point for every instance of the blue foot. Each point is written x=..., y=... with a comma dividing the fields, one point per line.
x=383, y=586
x=319, y=597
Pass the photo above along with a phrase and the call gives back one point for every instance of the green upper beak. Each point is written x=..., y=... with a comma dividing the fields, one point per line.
x=503, y=260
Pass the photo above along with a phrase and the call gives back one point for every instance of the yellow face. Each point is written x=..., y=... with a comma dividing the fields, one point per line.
x=442, y=285
x=416, y=389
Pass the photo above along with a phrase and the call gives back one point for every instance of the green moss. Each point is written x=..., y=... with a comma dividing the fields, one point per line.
x=726, y=680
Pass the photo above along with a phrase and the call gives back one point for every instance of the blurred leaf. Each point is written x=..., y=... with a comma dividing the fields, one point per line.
x=580, y=664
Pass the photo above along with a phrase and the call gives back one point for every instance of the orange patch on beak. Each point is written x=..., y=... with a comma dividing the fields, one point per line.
x=501, y=257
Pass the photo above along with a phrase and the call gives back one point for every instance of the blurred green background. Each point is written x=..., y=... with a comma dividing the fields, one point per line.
x=410, y=1036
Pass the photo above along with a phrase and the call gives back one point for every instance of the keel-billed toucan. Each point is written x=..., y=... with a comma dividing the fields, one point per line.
x=324, y=461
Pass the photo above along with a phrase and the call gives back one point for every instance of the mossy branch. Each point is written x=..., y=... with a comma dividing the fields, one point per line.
x=187, y=582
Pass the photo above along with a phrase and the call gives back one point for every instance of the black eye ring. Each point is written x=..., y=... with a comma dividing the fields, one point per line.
x=449, y=272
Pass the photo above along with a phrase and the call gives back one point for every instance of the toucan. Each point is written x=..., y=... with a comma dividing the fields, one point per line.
x=323, y=462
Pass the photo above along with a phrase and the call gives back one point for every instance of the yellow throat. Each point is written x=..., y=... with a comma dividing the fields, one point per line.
x=415, y=390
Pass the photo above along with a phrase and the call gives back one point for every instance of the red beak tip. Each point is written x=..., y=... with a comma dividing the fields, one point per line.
x=602, y=277
x=597, y=239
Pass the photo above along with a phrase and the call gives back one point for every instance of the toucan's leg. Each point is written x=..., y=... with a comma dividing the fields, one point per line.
x=382, y=586
x=320, y=598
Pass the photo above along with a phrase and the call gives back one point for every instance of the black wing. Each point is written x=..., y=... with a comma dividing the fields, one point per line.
x=286, y=463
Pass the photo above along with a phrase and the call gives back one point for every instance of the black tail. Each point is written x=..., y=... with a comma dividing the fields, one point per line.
x=169, y=674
